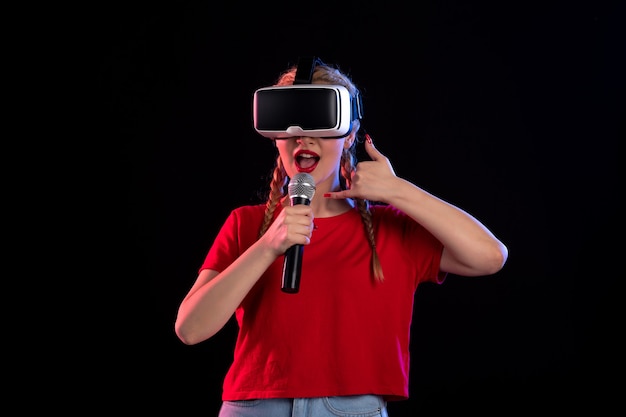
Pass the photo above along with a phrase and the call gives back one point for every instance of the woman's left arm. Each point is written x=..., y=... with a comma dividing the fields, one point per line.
x=470, y=249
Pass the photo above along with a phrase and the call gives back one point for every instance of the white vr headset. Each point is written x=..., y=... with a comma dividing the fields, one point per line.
x=305, y=109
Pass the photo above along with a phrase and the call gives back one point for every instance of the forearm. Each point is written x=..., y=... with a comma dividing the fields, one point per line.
x=207, y=308
x=470, y=248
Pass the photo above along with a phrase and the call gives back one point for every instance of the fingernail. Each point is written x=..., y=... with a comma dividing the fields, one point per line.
x=326, y=194
x=368, y=138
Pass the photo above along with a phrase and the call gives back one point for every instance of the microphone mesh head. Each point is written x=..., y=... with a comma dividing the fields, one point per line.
x=302, y=185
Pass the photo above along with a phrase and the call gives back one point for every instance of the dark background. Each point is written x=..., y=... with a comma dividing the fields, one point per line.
x=510, y=110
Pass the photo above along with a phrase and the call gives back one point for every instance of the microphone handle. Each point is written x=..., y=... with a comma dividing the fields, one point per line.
x=292, y=266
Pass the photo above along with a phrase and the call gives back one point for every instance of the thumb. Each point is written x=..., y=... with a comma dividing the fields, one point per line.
x=371, y=149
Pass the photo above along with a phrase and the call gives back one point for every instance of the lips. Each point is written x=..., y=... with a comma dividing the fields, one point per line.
x=306, y=161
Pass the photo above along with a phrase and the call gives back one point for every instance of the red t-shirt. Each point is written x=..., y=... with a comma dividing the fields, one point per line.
x=342, y=333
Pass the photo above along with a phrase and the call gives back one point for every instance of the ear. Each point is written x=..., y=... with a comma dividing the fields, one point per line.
x=349, y=140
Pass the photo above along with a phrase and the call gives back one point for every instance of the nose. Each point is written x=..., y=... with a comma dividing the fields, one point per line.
x=304, y=139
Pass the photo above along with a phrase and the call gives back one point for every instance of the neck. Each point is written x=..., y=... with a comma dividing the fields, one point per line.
x=326, y=207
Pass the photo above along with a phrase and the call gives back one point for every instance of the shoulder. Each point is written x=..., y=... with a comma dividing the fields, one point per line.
x=382, y=211
x=388, y=216
x=246, y=214
x=253, y=209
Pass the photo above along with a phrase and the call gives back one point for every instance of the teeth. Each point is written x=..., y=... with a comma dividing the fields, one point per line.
x=306, y=155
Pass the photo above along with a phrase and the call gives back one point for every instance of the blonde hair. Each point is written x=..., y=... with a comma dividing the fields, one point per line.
x=324, y=74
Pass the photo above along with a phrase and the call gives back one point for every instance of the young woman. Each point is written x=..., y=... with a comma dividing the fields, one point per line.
x=340, y=345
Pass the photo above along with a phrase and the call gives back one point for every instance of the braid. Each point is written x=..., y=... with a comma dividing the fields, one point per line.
x=366, y=217
x=277, y=191
x=347, y=167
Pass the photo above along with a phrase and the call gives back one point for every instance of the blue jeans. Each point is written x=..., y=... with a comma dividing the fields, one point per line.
x=347, y=406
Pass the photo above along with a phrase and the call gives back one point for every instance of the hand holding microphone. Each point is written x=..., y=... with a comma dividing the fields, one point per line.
x=301, y=189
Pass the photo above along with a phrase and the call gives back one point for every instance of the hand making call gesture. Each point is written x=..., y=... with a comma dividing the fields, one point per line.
x=373, y=180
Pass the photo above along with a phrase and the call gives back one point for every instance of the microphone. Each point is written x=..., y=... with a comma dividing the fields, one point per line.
x=301, y=190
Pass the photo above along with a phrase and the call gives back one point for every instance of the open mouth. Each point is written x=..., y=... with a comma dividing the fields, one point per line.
x=306, y=162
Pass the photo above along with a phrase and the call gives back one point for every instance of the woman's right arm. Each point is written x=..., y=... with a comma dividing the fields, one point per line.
x=214, y=297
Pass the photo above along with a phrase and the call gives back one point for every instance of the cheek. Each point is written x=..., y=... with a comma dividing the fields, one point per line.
x=283, y=149
x=339, y=151
x=333, y=147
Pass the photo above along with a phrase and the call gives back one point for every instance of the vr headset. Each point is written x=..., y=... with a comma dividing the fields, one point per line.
x=305, y=109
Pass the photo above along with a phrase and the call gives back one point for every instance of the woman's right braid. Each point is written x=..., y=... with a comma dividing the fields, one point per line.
x=277, y=192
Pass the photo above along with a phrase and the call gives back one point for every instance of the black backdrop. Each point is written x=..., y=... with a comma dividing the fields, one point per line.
x=507, y=109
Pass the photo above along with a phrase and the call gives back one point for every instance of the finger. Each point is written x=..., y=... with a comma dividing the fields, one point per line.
x=371, y=149
x=338, y=195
